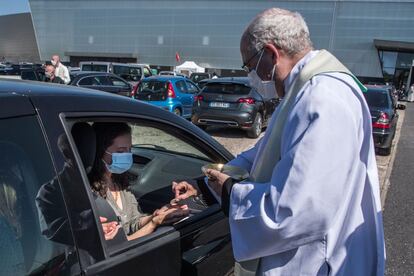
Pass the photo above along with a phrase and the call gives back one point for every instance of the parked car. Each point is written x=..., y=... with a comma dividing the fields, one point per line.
x=9, y=69
x=232, y=102
x=130, y=72
x=202, y=83
x=197, y=77
x=101, y=81
x=383, y=108
x=46, y=152
x=175, y=94
x=37, y=73
x=171, y=73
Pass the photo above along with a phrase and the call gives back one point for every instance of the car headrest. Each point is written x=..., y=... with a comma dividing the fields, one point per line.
x=85, y=140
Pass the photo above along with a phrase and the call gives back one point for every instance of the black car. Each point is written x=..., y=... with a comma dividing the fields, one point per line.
x=196, y=77
x=232, y=102
x=37, y=74
x=103, y=81
x=50, y=218
x=9, y=69
x=383, y=108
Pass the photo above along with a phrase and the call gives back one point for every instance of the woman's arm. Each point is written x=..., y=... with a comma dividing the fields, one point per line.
x=147, y=229
x=144, y=220
x=165, y=215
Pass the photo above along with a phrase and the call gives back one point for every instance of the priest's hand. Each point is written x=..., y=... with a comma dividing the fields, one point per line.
x=216, y=180
x=183, y=190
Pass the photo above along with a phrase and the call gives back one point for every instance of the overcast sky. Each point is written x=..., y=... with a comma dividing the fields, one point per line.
x=13, y=6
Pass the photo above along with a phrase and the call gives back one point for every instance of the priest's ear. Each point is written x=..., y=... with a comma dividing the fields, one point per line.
x=274, y=50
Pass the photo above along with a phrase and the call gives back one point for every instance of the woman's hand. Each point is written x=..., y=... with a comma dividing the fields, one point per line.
x=110, y=229
x=169, y=214
x=183, y=190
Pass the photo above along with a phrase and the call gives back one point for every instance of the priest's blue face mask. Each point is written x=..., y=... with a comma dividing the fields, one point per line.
x=121, y=162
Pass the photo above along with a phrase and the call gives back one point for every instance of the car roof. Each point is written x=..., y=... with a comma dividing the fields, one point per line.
x=165, y=78
x=26, y=87
x=239, y=80
x=90, y=73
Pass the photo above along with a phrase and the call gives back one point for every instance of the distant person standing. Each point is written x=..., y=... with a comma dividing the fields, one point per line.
x=61, y=70
x=410, y=94
x=214, y=76
x=50, y=72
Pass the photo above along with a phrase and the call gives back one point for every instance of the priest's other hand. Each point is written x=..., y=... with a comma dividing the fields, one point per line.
x=183, y=190
x=216, y=180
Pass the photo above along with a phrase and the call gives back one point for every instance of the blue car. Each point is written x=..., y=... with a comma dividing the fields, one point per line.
x=172, y=93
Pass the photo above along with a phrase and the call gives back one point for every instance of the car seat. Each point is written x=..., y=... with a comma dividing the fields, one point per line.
x=85, y=139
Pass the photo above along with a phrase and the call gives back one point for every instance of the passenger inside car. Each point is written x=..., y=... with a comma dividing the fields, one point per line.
x=109, y=178
x=10, y=224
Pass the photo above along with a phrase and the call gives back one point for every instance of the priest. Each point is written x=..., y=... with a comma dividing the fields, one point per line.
x=311, y=205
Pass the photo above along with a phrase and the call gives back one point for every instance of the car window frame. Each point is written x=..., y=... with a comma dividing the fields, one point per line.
x=188, y=83
x=70, y=118
x=124, y=86
x=185, y=86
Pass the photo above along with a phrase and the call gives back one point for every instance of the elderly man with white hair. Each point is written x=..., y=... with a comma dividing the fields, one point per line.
x=311, y=205
x=61, y=70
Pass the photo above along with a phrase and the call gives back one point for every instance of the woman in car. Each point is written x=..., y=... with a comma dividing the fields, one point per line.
x=109, y=178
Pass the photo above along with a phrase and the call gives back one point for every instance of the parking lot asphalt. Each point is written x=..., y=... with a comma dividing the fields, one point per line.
x=399, y=203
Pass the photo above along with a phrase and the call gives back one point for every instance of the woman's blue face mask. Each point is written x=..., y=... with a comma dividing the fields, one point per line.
x=121, y=162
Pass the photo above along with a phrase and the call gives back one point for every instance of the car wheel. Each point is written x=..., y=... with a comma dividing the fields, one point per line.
x=257, y=126
x=177, y=111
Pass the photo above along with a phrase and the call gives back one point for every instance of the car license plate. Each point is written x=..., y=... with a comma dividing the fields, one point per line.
x=219, y=104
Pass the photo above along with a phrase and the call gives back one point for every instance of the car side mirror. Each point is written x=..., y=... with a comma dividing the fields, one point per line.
x=401, y=106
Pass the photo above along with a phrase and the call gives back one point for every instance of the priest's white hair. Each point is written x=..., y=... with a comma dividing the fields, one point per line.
x=286, y=29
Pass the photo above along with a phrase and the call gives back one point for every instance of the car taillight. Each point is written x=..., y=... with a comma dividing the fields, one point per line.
x=170, y=91
x=382, y=122
x=134, y=90
x=246, y=100
x=198, y=98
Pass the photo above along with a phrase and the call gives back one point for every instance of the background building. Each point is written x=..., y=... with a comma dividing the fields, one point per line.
x=371, y=37
x=17, y=38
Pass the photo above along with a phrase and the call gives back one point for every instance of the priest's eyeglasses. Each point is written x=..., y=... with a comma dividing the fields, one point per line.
x=245, y=66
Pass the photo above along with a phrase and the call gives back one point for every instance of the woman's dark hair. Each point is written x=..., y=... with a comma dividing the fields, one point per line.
x=105, y=136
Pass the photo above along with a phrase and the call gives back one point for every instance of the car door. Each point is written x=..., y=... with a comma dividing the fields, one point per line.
x=157, y=254
x=191, y=247
x=120, y=86
x=35, y=236
x=94, y=82
x=183, y=97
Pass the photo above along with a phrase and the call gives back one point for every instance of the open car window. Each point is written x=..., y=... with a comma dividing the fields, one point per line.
x=161, y=154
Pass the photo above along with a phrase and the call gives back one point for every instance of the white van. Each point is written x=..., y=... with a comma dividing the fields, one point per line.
x=129, y=72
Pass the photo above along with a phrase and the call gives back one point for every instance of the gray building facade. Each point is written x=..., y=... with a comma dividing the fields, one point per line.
x=208, y=31
x=17, y=38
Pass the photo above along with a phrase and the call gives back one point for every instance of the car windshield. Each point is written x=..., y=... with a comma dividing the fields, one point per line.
x=152, y=90
x=226, y=88
x=377, y=99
